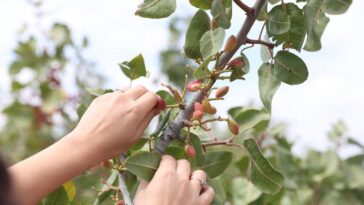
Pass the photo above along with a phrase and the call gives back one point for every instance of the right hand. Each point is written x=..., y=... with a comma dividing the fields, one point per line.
x=115, y=121
x=173, y=184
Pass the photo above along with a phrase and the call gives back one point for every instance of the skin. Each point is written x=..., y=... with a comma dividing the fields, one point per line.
x=112, y=124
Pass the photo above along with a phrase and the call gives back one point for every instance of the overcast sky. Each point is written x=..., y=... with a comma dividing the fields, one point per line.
x=334, y=89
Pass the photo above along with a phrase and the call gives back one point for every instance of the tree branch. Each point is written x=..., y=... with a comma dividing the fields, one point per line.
x=173, y=129
x=268, y=44
x=243, y=6
x=124, y=190
x=122, y=185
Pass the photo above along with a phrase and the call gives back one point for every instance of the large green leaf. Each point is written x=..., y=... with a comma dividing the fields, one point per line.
x=219, y=13
x=143, y=164
x=58, y=197
x=211, y=42
x=243, y=191
x=278, y=21
x=134, y=68
x=268, y=85
x=202, y=4
x=295, y=36
x=156, y=8
x=263, y=176
x=200, y=23
x=220, y=195
x=316, y=22
x=216, y=162
x=289, y=68
x=250, y=118
x=336, y=7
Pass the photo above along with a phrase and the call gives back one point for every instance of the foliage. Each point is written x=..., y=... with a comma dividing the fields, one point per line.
x=254, y=163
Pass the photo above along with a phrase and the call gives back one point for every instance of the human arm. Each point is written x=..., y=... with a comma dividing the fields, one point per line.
x=111, y=124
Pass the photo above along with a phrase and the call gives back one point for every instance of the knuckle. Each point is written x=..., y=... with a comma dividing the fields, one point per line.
x=200, y=172
x=141, y=87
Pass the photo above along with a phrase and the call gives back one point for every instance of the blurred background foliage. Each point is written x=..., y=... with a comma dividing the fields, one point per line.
x=46, y=90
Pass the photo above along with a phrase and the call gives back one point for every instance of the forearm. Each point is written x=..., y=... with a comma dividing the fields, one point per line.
x=42, y=173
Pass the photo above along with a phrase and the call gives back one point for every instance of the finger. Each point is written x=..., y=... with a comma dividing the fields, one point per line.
x=183, y=168
x=197, y=177
x=145, y=122
x=136, y=92
x=167, y=164
x=143, y=185
x=207, y=196
x=146, y=102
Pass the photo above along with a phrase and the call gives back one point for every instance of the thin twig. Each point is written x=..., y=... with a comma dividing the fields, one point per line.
x=244, y=7
x=261, y=30
x=268, y=44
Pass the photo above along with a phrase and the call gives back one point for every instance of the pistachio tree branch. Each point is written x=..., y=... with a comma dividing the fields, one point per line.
x=174, y=127
x=122, y=185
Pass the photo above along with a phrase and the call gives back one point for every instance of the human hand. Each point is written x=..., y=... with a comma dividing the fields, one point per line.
x=173, y=184
x=115, y=121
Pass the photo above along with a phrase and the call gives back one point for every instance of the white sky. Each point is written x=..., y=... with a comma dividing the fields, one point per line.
x=333, y=91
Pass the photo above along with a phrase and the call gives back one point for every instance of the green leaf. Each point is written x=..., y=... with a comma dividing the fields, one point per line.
x=176, y=151
x=336, y=7
x=219, y=13
x=135, y=68
x=289, y=68
x=167, y=97
x=143, y=164
x=70, y=189
x=250, y=118
x=316, y=22
x=243, y=164
x=243, y=191
x=265, y=54
x=196, y=143
x=102, y=196
x=263, y=15
x=273, y=1
x=161, y=124
x=137, y=146
x=200, y=23
x=263, y=176
x=295, y=36
x=268, y=85
x=202, y=4
x=239, y=72
x=156, y=8
x=211, y=42
x=58, y=197
x=355, y=142
x=81, y=109
x=278, y=21
x=216, y=162
x=235, y=111
x=220, y=195
x=202, y=71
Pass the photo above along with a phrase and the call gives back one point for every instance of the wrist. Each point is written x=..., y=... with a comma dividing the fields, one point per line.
x=86, y=150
